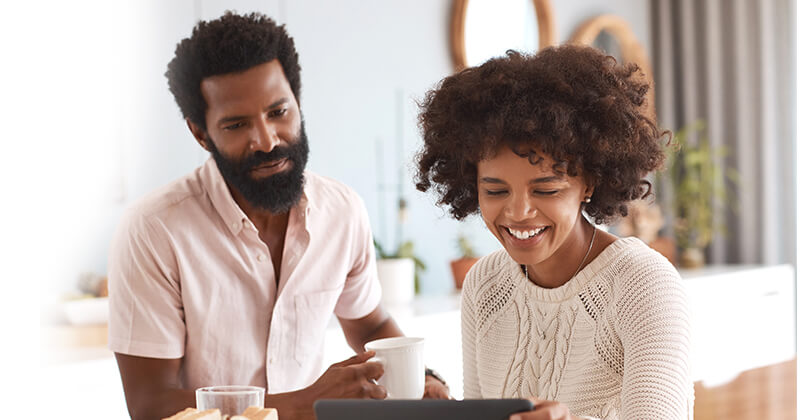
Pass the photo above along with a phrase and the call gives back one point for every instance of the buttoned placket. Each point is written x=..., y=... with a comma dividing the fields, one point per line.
x=265, y=272
x=279, y=338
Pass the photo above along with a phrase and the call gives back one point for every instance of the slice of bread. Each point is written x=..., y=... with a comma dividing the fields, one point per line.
x=192, y=414
x=179, y=415
x=256, y=413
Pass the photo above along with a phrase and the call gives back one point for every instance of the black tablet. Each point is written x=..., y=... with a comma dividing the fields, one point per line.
x=419, y=409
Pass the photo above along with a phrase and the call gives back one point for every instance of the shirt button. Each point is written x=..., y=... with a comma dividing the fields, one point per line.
x=271, y=361
x=235, y=225
x=262, y=257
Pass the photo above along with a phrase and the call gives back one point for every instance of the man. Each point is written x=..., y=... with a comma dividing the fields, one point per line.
x=230, y=274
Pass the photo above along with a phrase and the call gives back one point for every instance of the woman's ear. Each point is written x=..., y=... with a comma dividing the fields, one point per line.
x=588, y=192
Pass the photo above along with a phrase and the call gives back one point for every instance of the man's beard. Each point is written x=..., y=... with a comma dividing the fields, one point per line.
x=277, y=193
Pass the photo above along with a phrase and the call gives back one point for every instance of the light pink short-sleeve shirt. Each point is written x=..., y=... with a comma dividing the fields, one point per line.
x=190, y=278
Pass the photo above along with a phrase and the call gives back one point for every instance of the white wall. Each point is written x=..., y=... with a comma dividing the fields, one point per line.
x=89, y=126
x=364, y=64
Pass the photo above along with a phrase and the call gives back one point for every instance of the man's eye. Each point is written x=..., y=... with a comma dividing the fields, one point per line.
x=495, y=192
x=233, y=126
x=278, y=112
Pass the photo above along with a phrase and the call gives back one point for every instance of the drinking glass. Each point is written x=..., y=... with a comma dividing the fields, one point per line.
x=229, y=399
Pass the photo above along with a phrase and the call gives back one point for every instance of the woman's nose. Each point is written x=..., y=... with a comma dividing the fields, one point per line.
x=520, y=208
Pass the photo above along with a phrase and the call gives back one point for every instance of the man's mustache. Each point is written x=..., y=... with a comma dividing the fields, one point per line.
x=259, y=158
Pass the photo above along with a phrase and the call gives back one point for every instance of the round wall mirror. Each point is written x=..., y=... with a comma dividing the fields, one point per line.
x=606, y=41
x=482, y=29
x=613, y=35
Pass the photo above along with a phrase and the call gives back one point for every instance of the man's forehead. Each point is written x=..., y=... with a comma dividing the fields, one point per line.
x=265, y=80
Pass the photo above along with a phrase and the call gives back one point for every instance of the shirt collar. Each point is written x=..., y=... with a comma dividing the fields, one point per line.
x=222, y=200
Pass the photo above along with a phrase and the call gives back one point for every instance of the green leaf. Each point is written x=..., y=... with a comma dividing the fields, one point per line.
x=699, y=186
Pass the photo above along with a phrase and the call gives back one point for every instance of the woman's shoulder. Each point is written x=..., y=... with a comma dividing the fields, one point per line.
x=636, y=268
x=487, y=270
x=490, y=284
x=493, y=262
x=631, y=255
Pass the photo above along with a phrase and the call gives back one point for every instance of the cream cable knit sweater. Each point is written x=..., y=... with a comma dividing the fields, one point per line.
x=612, y=343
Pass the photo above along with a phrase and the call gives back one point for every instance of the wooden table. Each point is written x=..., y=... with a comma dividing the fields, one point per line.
x=767, y=393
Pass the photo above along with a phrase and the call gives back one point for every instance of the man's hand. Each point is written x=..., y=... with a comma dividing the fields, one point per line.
x=352, y=378
x=435, y=389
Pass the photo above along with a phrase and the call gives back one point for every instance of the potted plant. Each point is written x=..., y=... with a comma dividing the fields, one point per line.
x=645, y=221
x=398, y=273
x=699, y=189
x=460, y=267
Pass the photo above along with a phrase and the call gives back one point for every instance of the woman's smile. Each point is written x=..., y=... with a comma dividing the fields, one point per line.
x=524, y=237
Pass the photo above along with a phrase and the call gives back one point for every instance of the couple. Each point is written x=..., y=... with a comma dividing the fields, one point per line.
x=230, y=274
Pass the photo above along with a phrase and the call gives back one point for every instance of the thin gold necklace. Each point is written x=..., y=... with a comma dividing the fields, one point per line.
x=591, y=243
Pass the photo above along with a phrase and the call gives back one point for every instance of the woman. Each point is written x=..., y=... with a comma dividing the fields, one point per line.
x=544, y=147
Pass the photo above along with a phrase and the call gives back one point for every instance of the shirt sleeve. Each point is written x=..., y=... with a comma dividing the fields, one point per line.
x=362, y=291
x=468, y=336
x=145, y=311
x=653, y=314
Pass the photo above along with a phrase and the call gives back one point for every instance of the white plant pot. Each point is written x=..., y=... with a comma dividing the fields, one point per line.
x=396, y=276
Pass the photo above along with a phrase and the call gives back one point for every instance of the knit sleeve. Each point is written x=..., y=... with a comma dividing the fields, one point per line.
x=653, y=320
x=468, y=336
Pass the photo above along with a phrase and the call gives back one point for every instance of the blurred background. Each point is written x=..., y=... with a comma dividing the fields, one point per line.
x=91, y=127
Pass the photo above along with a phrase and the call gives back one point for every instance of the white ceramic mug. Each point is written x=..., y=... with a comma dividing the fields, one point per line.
x=403, y=366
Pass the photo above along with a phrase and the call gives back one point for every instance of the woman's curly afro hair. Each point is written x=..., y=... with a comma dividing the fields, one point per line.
x=231, y=44
x=571, y=103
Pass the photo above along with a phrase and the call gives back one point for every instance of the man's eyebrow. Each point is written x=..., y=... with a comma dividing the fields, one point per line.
x=280, y=101
x=233, y=118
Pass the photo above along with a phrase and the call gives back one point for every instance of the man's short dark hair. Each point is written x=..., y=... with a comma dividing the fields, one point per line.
x=233, y=43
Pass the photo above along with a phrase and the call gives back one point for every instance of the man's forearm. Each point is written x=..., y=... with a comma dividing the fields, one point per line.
x=291, y=405
x=388, y=328
x=158, y=405
x=377, y=324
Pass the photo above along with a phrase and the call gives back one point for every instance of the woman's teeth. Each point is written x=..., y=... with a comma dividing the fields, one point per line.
x=525, y=234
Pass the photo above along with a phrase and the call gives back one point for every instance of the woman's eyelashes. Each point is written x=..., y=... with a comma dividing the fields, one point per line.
x=535, y=192
x=547, y=192
x=495, y=192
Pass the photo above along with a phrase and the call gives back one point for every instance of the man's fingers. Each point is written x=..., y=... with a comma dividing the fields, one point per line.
x=359, y=358
x=363, y=357
x=347, y=362
x=371, y=370
x=376, y=392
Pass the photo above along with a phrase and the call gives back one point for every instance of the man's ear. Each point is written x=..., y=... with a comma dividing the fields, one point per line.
x=199, y=134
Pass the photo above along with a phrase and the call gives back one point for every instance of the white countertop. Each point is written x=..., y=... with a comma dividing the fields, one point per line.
x=743, y=318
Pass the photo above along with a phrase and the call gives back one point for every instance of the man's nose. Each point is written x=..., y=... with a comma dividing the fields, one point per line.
x=265, y=138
